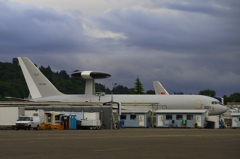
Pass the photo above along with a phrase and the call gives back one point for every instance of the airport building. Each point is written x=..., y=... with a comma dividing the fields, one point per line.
x=181, y=118
x=136, y=118
x=235, y=120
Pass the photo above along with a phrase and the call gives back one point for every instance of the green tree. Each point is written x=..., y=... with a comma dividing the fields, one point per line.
x=101, y=88
x=138, y=89
x=235, y=97
x=47, y=71
x=15, y=61
x=226, y=99
x=119, y=89
x=150, y=92
x=63, y=74
x=207, y=92
x=178, y=93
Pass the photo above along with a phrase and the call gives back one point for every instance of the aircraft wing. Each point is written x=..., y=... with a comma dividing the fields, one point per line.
x=16, y=99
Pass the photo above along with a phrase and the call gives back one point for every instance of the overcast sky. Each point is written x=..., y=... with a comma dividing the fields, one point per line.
x=187, y=45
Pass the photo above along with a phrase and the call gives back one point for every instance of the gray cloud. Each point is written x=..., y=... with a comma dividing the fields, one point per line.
x=28, y=28
x=170, y=31
x=187, y=46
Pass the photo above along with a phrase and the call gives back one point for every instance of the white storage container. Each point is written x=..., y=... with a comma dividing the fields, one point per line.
x=9, y=115
x=91, y=116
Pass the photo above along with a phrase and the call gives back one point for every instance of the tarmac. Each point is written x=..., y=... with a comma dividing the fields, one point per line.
x=134, y=143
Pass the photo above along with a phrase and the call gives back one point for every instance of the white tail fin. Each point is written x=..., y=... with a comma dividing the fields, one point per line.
x=38, y=85
x=159, y=89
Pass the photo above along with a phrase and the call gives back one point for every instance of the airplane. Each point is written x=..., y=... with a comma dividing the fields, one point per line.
x=42, y=90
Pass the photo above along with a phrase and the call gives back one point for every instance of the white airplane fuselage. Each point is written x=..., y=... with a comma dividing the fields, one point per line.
x=164, y=101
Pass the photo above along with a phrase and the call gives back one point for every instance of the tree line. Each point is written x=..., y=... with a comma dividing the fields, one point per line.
x=13, y=84
x=235, y=97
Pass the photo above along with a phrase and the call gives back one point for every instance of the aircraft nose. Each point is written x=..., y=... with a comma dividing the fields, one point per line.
x=223, y=109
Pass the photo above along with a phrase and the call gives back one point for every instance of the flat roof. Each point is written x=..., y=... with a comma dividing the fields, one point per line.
x=181, y=111
x=133, y=111
x=235, y=114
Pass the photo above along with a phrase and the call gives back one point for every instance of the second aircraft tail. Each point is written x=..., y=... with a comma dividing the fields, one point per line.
x=159, y=89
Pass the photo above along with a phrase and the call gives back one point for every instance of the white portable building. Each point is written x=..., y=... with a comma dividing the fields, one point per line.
x=9, y=115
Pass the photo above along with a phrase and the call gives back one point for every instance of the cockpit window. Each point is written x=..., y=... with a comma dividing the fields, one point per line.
x=216, y=102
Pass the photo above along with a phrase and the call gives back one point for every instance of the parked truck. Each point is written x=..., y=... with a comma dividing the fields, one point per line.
x=28, y=122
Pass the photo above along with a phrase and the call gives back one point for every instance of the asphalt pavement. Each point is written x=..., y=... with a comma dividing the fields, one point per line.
x=122, y=143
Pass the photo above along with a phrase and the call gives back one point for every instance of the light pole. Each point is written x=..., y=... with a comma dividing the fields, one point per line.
x=114, y=85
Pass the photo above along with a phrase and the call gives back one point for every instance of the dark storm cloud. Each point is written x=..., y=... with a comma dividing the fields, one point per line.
x=28, y=28
x=209, y=7
x=169, y=31
x=202, y=8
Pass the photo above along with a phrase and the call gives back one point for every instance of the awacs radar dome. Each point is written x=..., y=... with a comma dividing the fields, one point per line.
x=90, y=75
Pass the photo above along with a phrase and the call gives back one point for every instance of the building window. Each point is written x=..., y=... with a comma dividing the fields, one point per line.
x=57, y=117
x=189, y=117
x=123, y=117
x=35, y=114
x=168, y=117
x=179, y=117
x=49, y=118
x=133, y=117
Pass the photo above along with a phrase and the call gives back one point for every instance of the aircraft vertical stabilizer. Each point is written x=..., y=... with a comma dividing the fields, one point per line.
x=159, y=89
x=38, y=85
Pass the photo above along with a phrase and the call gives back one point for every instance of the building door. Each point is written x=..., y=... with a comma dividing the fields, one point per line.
x=160, y=120
x=234, y=122
x=198, y=104
x=199, y=120
x=141, y=120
